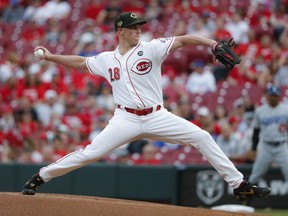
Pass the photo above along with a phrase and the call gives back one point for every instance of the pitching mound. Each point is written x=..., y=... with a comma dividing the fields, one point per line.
x=53, y=204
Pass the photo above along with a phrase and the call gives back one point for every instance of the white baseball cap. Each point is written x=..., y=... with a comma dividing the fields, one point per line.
x=203, y=111
x=50, y=94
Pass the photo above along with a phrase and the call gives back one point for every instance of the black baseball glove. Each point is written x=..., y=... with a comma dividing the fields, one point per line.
x=224, y=54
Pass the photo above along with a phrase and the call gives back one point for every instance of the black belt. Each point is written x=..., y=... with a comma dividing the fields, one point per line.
x=275, y=143
x=139, y=112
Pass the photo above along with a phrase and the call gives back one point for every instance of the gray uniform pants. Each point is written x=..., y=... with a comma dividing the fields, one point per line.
x=265, y=156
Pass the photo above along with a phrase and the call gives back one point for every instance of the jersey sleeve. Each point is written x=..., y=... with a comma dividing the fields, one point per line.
x=161, y=47
x=94, y=65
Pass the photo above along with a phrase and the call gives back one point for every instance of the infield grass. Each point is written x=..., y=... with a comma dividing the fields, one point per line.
x=272, y=212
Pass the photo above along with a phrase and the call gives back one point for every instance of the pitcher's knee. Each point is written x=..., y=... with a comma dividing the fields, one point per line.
x=204, y=135
x=201, y=137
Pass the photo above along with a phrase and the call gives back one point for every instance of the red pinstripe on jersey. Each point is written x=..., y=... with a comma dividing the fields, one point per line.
x=130, y=76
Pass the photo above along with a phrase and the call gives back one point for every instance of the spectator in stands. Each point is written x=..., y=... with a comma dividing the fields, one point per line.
x=238, y=28
x=166, y=146
x=283, y=38
x=220, y=117
x=173, y=83
x=54, y=35
x=13, y=13
x=172, y=7
x=199, y=29
x=246, y=128
x=234, y=122
x=32, y=33
x=43, y=71
x=47, y=153
x=31, y=86
x=240, y=116
x=50, y=110
x=86, y=45
x=259, y=14
x=205, y=7
x=11, y=67
x=229, y=142
x=201, y=80
x=56, y=81
x=8, y=154
x=105, y=99
x=208, y=19
x=242, y=74
x=247, y=103
x=262, y=69
x=25, y=106
x=148, y=156
x=4, y=152
x=1, y=28
x=27, y=128
x=279, y=20
x=220, y=114
x=62, y=144
x=71, y=117
x=97, y=127
x=179, y=29
x=281, y=76
x=3, y=5
x=138, y=6
x=265, y=48
x=119, y=155
x=184, y=109
x=31, y=10
x=9, y=90
x=7, y=121
x=88, y=49
x=31, y=154
x=204, y=119
x=153, y=10
x=108, y=14
x=58, y=9
x=137, y=146
x=93, y=9
x=221, y=33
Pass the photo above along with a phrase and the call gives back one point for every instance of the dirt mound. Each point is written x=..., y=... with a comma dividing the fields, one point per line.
x=58, y=204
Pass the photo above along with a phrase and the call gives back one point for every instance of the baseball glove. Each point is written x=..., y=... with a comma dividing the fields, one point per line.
x=224, y=54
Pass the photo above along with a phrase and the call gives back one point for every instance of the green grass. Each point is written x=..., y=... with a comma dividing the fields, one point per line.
x=272, y=212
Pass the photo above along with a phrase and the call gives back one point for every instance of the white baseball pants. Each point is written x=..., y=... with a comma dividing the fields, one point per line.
x=160, y=125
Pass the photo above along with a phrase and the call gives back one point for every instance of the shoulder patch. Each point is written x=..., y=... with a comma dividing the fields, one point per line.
x=164, y=40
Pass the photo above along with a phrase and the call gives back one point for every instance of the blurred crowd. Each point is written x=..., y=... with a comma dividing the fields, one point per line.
x=47, y=110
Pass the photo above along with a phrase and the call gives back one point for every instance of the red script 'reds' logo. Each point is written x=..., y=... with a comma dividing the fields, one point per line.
x=142, y=66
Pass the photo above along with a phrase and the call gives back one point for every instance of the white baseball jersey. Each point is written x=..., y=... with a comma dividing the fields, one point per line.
x=135, y=77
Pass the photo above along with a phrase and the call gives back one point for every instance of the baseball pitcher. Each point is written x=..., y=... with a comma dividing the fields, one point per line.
x=134, y=71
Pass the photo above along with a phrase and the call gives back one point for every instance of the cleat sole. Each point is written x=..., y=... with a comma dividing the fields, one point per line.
x=28, y=192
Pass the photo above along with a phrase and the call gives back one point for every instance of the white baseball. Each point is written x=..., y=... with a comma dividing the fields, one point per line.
x=39, y=53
